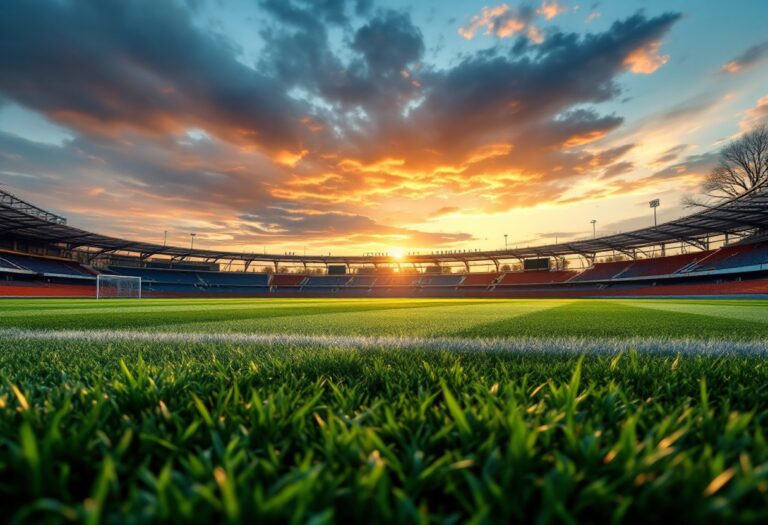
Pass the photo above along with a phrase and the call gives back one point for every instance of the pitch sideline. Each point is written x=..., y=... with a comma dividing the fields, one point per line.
x=523, y=345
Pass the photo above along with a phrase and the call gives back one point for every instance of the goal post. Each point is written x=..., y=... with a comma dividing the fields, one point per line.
x=118, y=286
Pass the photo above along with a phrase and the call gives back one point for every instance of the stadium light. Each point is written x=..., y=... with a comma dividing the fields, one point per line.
x=505, y=242
x=594, y=229
x=655, y=203
x=192, y=241
x=165, y=238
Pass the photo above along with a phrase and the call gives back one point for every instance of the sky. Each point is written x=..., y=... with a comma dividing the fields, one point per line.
x=357, y=126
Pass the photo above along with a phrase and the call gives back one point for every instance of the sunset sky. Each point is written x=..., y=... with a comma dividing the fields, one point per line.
x=370, y=125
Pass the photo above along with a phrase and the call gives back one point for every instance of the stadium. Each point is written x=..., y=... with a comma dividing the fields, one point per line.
x=331, y=330
x=722, y=251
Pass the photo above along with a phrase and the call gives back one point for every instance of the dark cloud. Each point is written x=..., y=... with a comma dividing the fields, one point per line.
x=620, y=168
x=748, y=58
x=489, y=95
x=340, y=113
x=101, y=65
x=282, y=223
x=671, y=154
x=389, y=43
x=690, y=108
x=692, y=165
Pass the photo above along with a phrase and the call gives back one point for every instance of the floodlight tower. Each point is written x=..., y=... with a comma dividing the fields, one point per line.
x=655, y=203
x=594, y=228
x=192, y=241
x=505, y=242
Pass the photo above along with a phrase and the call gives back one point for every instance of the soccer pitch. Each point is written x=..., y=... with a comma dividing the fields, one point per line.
x=386, y=410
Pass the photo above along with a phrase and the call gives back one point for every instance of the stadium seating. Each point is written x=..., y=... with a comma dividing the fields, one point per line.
x=479, y=279
x=287, y=279
x=441, y=280
x=362, y=280
x=737, y=256
x=26, y=275
x=398, y=280
x=160, y=276
x=662, y=265
x=186, y=282
x=330, y=281
x=8, y=265
x=603, y=271
x=536, y=277
x=44, y=265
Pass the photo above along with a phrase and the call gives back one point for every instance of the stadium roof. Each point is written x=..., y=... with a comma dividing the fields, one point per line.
x=741, y=215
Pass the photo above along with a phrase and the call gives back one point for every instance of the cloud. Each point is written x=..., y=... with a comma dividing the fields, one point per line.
x=504, y=21
x=283, y=224
x=646, y=60
x=445, y=210
x=693, y=167
x=340, y=122
x=109, y=66
x=551, y=9
x=756, y=115
x=501, y=21
x=389, y=43
x=619, y=168
x=747, y=59
x=671, y=154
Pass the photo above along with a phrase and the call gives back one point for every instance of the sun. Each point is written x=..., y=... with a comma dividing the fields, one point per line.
x=397, y=253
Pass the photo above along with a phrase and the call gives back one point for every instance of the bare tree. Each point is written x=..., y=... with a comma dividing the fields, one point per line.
x=743, y=166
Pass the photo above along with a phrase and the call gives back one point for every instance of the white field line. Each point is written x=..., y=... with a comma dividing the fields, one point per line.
x=577, y=345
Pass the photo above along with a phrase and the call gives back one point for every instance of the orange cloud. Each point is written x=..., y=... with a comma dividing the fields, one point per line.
x=535, y=35
x=756, y=115
x=509, y=27
x=505, y=22
x=550, y=10
x=485, y=19
x=585, y=138
x=646, y=60
x=289, y=158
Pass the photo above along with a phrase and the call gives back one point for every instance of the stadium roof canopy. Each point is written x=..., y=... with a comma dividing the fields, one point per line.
x=739, y=216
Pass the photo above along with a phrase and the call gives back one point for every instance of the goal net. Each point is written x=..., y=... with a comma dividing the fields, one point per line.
x=109, y=286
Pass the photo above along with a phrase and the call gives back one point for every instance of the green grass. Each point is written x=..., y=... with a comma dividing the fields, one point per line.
x=119, y=431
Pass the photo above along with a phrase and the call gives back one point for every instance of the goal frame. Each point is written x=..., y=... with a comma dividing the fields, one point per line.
x=118, y=278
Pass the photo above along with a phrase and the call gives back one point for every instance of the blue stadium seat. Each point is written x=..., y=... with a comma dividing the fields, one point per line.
x=46, y=266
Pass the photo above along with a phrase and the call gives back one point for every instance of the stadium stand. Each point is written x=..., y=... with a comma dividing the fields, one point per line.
x=327, y=281
x=284, y=280
x=479, y=279
x=46, y=266
x=663, y=265
x=739, y=268
x=536, y=277
x=441, y=280
x=8, y=265
x=362, y=281
x=743, y=255
x=409, y=280
x=603, y=271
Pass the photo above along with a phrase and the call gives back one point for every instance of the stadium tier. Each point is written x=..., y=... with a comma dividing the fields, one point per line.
x=738, y=270
x=480, y=280
x=44, y=265
x=724, y=250
x=536, y=277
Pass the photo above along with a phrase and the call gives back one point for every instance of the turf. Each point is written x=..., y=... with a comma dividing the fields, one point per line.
x=111, y=430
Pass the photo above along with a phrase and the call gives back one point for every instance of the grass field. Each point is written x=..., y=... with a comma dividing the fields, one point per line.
x=407, y=411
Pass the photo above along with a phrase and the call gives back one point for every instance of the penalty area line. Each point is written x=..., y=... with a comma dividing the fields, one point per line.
x=523, y=345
